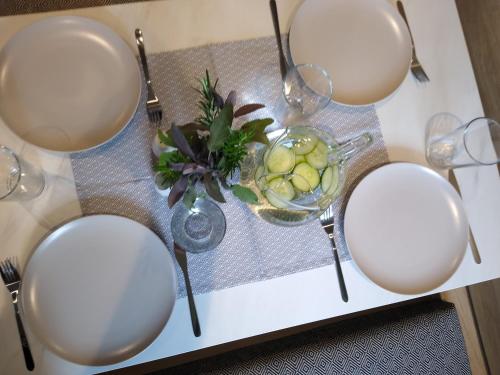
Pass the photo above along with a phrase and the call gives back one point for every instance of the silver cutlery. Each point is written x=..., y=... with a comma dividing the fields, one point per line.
x=12, y=281
x=416, y=68
x=327, y=222
x=153, y=106
x=180, y=255
x=277, y=32
x=472, y=241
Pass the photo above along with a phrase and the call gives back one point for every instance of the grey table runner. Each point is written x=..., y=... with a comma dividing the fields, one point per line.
x=116, y=178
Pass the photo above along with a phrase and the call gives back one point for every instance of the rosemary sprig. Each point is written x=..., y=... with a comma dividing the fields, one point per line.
x=210, y=102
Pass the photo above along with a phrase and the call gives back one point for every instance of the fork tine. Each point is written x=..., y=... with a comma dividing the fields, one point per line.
x=2, y=272
x=8, y=268
x=327, y=215
x=419, y=73
x=13, y=267
x=6, y=272
x=423, y=75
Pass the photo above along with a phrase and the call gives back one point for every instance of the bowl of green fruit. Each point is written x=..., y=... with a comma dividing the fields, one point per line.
x=299, y=174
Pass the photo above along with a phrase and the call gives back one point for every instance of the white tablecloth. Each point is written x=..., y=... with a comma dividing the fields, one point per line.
x=300, y=298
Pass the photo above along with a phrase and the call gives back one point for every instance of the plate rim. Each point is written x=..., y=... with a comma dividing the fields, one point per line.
x=84, y=19
x=457, y=199
x=55, y=350
x=376, y=102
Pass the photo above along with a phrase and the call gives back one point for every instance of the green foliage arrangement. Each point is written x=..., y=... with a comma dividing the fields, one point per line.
x=209, y=149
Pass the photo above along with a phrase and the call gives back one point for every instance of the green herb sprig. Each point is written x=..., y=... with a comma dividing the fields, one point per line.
x=210, y=101
x=210, y=149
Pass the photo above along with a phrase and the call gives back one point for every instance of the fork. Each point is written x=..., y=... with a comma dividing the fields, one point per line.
x=416, y=67
x=12, y=281
x=327, y=222
x=153, y=106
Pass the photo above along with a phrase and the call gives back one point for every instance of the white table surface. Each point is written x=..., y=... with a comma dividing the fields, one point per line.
x=300, y=298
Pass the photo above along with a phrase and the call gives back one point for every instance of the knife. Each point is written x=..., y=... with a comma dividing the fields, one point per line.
x=277, y=33
x=180, y=255
x=475, y=252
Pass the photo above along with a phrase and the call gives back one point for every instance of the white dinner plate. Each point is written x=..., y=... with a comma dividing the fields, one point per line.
x=364, y=45
x=68, y=84
x=99, y=289
x=406, y=228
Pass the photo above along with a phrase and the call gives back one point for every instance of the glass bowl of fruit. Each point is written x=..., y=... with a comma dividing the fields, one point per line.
x=299, y=174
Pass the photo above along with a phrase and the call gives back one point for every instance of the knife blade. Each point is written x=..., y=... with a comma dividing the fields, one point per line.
x=475, y=252
x=180, y=255
x=277, y=33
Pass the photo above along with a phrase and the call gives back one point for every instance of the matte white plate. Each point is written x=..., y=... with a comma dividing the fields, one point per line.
x=68, y=83
x=364, y=45
x=406, y=228
x=99, y=289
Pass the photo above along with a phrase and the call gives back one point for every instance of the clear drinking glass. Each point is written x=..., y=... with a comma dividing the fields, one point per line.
x=19, y=180
x=307, y=88
x=452, y=144
x=200, y=228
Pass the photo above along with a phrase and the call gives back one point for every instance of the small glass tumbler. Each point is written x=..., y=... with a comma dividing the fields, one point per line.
x=452, y=144
x=200, y=228
x=307, y=88
x=19, y=181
